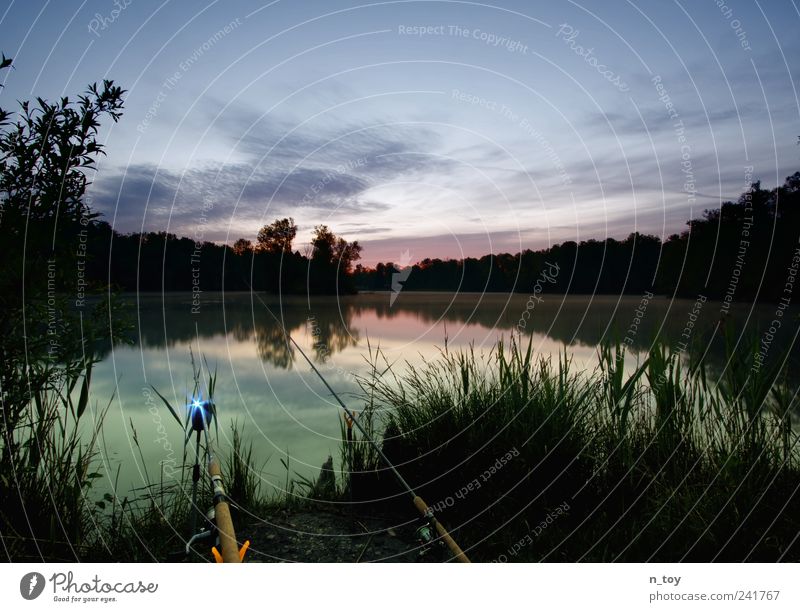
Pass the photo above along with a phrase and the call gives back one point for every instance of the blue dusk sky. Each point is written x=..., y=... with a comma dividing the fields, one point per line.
x=422, y=128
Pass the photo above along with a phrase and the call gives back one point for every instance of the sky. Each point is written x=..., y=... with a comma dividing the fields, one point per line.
x=422, y=128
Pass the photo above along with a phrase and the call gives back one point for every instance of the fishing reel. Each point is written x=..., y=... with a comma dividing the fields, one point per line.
x=209, y=533
x=430, y=543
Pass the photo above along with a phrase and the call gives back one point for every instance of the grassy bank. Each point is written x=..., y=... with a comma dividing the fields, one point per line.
x=523, y=457
x=526, y=459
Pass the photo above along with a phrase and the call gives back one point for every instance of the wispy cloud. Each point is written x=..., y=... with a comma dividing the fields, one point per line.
x=279, y=170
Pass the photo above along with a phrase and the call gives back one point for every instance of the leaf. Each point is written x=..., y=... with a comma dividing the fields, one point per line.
x=169, y=406
x=84, y=398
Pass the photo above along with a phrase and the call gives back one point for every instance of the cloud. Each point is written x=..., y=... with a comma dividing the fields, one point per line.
x=655, y=119
x=278, y=170
x=162, y=199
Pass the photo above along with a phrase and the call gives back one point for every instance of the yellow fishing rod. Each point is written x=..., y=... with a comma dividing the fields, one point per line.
x=419, y=503
x=219, y=517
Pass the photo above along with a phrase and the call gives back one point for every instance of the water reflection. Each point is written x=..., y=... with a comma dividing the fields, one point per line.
x=280, y=403
x=331, y=325
x=171, y=320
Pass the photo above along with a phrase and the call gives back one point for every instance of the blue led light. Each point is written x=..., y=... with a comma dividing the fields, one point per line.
x=199, y=413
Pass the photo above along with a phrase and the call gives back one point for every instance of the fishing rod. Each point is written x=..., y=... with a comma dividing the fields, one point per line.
x=219, y=517
x=230, y=552
x=422, y=507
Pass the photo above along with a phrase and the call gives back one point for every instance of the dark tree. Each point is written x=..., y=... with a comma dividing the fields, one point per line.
x=242, y=247
x=277, y=237
x=332, y=261
x=45, y=151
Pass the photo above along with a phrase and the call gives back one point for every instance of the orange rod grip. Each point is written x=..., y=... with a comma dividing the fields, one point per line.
x=227, y=535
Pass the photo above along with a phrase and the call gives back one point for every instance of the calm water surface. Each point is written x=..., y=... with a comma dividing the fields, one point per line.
x=285, y=410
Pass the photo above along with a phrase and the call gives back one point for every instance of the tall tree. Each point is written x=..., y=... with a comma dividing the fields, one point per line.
x=45, y=151
x=332, y=261
x=277, y=237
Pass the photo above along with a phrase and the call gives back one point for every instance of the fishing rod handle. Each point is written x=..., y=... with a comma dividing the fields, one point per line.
x=423, y=509
x=227, y=536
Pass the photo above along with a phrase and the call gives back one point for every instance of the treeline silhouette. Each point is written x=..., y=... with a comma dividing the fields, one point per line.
x=161, y=261
x=743, y=250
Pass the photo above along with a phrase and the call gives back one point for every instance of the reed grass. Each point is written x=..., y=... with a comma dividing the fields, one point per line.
x=49, y=449
x=657, y=460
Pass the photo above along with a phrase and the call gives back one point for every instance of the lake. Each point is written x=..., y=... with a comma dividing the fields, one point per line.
x=285, y=410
